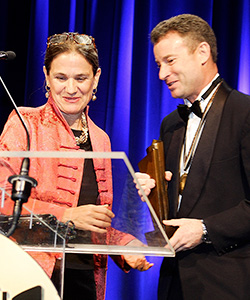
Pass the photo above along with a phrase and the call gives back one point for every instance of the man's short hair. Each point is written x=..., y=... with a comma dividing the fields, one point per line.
x=193, y=27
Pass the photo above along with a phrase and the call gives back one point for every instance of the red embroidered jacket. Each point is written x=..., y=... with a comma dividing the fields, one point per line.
x=59, y=179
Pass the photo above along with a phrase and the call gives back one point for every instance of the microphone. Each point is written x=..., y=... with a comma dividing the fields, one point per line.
x=8, y=55
x=22, y=183
x=21, y=189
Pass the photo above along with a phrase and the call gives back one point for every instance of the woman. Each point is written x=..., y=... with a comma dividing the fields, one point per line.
x=76, y=190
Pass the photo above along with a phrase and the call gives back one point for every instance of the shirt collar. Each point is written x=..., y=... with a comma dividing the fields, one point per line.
x=203, y=102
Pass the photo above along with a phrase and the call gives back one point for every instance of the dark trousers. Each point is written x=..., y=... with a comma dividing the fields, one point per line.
x=169, y=287
x=78, y=284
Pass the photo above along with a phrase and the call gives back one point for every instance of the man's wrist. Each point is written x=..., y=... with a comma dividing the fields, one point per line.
x=205, y=237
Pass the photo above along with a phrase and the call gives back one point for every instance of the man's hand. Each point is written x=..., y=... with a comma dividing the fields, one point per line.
x=147, y=183
x=188, y=235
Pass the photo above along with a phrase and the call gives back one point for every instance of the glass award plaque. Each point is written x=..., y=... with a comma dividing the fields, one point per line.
x=135, y=229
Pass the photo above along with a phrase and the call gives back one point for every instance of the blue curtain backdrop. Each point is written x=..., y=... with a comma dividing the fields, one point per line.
x=131, y=99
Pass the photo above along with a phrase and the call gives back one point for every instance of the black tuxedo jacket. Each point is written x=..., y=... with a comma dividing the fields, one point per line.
x=218, y=191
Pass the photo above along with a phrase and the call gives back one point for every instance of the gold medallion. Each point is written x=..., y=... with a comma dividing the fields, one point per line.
x=183, y=180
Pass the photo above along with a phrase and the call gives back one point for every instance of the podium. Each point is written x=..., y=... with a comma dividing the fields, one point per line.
x=43, y=233
x=21, y=278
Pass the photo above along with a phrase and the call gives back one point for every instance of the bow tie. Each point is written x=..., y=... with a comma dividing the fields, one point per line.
x=184, y=110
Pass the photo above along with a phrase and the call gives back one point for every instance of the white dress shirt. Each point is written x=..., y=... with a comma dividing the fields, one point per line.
x=192, y=126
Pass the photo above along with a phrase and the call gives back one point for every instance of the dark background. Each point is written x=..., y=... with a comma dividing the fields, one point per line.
x=131, y=100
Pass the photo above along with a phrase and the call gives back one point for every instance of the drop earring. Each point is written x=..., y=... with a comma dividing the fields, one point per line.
x=93, y=95
x=47, y=88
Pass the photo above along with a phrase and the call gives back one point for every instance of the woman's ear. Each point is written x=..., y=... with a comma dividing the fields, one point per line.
x=97, y=77
x=45, y=74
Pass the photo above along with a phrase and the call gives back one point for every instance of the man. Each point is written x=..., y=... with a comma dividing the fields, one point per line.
x=208, y=157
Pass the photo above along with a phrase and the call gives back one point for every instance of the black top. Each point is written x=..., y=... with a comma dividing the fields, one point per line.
x=88, y=195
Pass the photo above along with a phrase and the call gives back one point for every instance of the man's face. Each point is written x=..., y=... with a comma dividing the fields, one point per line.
x=179, y=67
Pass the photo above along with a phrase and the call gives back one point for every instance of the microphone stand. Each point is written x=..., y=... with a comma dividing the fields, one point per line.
x=22, y=183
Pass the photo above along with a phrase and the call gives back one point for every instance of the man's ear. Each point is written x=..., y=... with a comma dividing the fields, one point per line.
x=204, y=52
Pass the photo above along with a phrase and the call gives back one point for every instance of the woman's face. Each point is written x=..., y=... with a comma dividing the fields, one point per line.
x=71, y=81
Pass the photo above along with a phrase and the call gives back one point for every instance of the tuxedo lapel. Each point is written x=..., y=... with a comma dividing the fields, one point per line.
x=204, y=152
x=172, y=163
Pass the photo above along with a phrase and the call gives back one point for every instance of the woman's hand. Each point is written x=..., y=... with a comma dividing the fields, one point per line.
x=96, y=218
x=138, y=262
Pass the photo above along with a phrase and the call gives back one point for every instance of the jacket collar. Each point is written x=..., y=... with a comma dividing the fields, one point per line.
x=203, y=156
x=58, y=113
